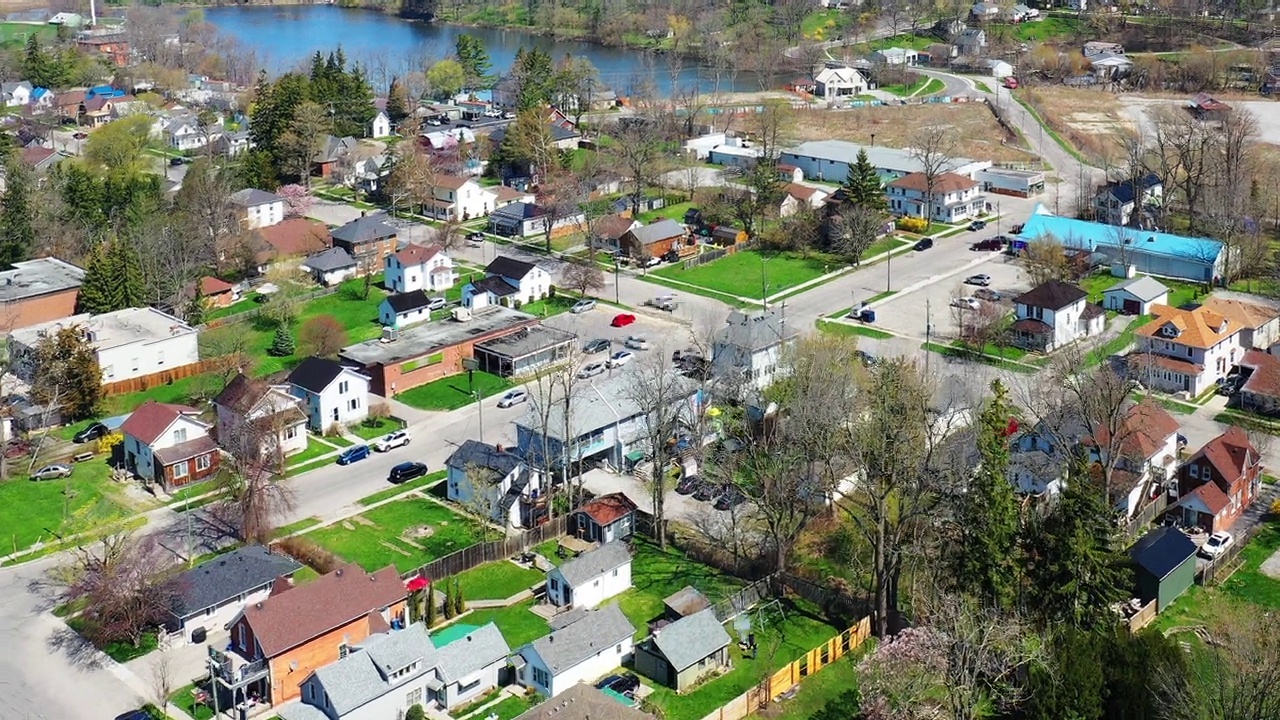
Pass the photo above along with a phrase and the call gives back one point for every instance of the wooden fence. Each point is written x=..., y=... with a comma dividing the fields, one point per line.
x=250, y=314
x=1143, y=618
x=743, y=600
x=1219, y=568
x=788, y=677
x=1135, y=525
x=707, y=256
x=481, y=553
x=164, y=377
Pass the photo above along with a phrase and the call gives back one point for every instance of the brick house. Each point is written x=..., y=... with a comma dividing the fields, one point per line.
x=169, y=445
x=1147, y=449
x=39, y=291
x=651, y=241
x=369, y=239
x=1220, y=481
x=278, y=642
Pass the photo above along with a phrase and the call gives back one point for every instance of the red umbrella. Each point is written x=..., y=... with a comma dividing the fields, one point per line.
x=416, y=584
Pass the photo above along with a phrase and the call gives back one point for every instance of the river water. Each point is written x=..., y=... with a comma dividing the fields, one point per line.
x=285, y=37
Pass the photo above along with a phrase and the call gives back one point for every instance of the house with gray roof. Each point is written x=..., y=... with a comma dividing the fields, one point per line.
x=1136, y=295
x=331, y=266
x=592, y=577
x=681, y=654
x=490, y=480
x=210, y=594
x=748, y=350
x=582, y=651
x=390, y=672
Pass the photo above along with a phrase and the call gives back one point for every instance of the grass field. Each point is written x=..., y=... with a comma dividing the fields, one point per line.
x=745, y=273
x=374, y=539
x=497, y=580
x=822, y=24
x=402, y=488
x=839, y=328
x=16, y=33
x=517, y=623
x=825, y=686
x=40, y=511
x=122, y=652
x=896, y=126
x=655, y=575
x=907, y=90
x=1246, y=588
x=550, y=306
x=509, y=708
x=672, y=212
x=453, y=392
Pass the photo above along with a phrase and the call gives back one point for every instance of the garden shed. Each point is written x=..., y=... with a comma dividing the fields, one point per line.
x=1165, y=564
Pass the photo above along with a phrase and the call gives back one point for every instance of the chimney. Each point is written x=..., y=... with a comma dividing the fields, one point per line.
x=498, y=447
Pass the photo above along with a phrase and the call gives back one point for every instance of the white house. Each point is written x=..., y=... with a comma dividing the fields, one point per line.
x=168, y=445
x=248, y=408
x=404, y=309
x=258, y=208
x=1185, y=350
x=985, y=10
x=1116, y=202
x=591, y=578
x=1054, y=314
x=420, y=267
x=510, y=489
x=508, y=282
x=896, y=56
x=1135, y=296
x=836, y=82
x=801, y=196
x=331, y=392
x=387, y=673
x=184, y=133
x=955, y=198
x=16, y=94
x=1021, y=13
x=583, y=645
x=1259, y=322
x=1146, y=445
x=459, y=198
x=380, y=126
x=525, y=219
x=129, y=343
x=749, y=348
x=211, y=594
x=971, y=41
x=332, y=266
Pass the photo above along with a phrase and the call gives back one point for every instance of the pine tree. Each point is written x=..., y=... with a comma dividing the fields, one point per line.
x=862, y=184
x=459, y=605
x=429, y=612
x=473, y=56
x=397, y=101
x=196, y=308
x=17, y=233
x=282, y=342
x=128, y=269
x=986, y=558
x=448, y=602
x=98, y=287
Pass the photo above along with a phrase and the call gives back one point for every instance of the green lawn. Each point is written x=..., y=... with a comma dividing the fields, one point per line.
x=510, y=707
x=517, y=623
x=957, y=352
x=840, y=328
x=672, y=212
x=1050, y=27
x=453, y=392
x=827, y=685
x=374, y=428
x=244, y=304
x=744, y=273
x=982, y=87
x=1247, y=587
x=497, y=580
x=185, y=701
x=883, y=245
x=402, y=488
x=903, y=90
x=374, y=539
x=122, y=652
x=16, y=33
x=905, y=40
x=548, y=551
x=656, y=575
x=1008, y=352
x=314, y=449
x=1118, y=343
x=40, y=511
x=933, y=86
x=465, y=710
x=550, y=306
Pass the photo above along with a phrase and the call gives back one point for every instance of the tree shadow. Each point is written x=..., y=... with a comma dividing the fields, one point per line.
x=75, y=648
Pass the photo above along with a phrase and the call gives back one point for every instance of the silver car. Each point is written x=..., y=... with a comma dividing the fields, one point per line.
x=52, y=472
x=583, y=305
x=513, y=397
x=592, y=370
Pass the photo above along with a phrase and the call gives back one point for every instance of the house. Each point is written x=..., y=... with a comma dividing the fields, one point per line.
x=70, y=19
x=1220, y=481
x=1005, y=181
x=1259, y=323
x=1054, y=314
x=801, y=196
x=1135, y=296
x=1099, y=47
x=331, y=149
x=563, y=137
x=1165, y=565
x=331, y=392
x=604, y=519
x=232, y=143
x=369, y=173
x=185, y=133
x=682, y=654
x=39, y=291
x=277, y=643
x=591, y=578
x=954, y=198
x=331, y=266
x=1185, y=350
x=1146, y=448
x=380, y=125
x=654, y=240
x=525, y=219
x=67, y=104
x=595, y=642
x=508, y=282
x=258, y=208
x=390, y=672
x=129, y=343
x=458, y=198
x=684, y=602
x=1106, y=66
x=836, y=82
x=419, y=267
x=211, y=594
x=494, y=482
x=113, y=47
x=830, y=160
x=750, y=347
x=168, y=445
x=248, y=408
x=404, y=309
x=896, y=56
x=369, y=239
x=292, y=238
x=1116, y=201
x=971, y=41
x=504, y=195
x=608, y=231
x=214, y=293
x=16, y=94
x=1021, y=13
x=985, y=11
x=1260, y=392
x=584, y=702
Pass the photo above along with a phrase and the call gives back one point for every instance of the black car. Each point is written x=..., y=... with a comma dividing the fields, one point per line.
x=688, y=484
x=175, y=161
x=977, y=225
x=607, y=681
x=93, y=432
x=706, y=491
x=924, y=244
x=406, y=471
x=731, y=498
x=866, y=358
x=134, y=715
x=598, y=345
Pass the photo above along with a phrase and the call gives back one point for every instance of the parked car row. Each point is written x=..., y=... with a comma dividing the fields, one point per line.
x=726, y=496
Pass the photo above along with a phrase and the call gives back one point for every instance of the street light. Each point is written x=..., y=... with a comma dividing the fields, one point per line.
x=471, y=365
x=617, y=276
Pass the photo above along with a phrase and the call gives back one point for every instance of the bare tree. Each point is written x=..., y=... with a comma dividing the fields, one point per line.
x=933, y=147
x=1234, y=676
x=162, y=677
x=662, y=396
x=122, y=582
x=636, y=150
x=254, y=499
x=1045, y=260
x=583, y=277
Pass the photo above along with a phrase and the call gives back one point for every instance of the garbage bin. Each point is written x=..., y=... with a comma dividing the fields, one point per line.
x=868, y=316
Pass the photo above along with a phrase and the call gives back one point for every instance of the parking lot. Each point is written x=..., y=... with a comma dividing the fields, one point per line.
x=912, y=311
x=663, y=335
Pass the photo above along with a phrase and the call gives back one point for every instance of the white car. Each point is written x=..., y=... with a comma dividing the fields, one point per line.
x=637, y=342
x=390, y=441
x=51, y=472
x=513, y=397
x=583, y=306
x=968, y=303
x=1216, y=544
x=592, y=370
x=620, y=358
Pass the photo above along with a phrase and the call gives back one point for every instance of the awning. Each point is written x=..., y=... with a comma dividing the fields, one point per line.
x=635, y=455
x=433, y=683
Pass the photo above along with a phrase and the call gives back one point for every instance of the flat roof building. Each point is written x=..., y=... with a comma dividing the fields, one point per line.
x=38, y=291
x=829, y=160
x=525, y=350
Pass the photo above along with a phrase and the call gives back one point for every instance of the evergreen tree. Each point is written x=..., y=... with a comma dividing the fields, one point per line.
x=397, y=101
x=97, y=290
x=862, y=184
x=429, y=612
x=534, y=74
x=1071, y=684
x=17, y=233
x=448, y=602
x=1076, y=565
x=36, y=65
x=128, y=275
x=83, y=196
x=471, y=53
x=67, y=373
x=985, y=559
x=196, y=308
x=459, y=605
x=282, y=343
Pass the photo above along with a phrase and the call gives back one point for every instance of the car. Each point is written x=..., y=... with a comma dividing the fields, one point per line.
x=982, y=279
x=598, y=345
x=591, y=370
x=508, y=115
x=653, y=261
x=406, y=471
x=79, y=135
x=967, y=303
x=628, y=683
x=607, y=681
x=1216, y=544
x=475, y=239
x=391, y=441
x=637, y=342
x=175, y=161
x=620, y=358
x=688, y=484
x=731, y=498
x=93, y=432
x=434, y=122
x=355, y=453
x=977, y=225
x=513, y=397
x=706, y=491
x=866, y=358
x=924, y=244
x=623, y=319
x=991, y=243
x=134, y=715
x=987, y=294
x=52, y=472
x=583, y=306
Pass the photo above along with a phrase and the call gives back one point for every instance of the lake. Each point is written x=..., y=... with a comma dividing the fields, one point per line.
x=285, y=38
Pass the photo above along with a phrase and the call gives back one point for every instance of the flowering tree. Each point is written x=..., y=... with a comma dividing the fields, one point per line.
x=296, y=200
x=898, y=680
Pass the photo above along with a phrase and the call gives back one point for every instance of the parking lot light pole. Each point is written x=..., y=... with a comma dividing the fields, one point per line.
x=471, y=365
x=617, y=277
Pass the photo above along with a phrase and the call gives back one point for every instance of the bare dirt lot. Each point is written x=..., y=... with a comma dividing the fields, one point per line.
x=1267, y=112
x=1092, y=121
x=980, y=135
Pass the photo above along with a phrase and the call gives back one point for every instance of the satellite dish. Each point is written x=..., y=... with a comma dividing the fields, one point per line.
x=742, y=624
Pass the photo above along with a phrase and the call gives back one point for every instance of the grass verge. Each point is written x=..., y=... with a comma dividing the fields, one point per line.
x=842, y=328
x=405, y=487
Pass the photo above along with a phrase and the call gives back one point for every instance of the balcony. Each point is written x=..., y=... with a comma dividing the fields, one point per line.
x=234, y=671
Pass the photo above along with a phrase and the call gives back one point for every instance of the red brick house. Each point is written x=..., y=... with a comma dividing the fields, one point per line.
x=169, y=445
x=1218, y=482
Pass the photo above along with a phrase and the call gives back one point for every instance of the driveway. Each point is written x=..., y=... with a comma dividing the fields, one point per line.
x=333, y=213
x=913, y=311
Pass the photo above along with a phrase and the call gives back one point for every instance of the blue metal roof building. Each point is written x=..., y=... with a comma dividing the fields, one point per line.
x=1150, y=252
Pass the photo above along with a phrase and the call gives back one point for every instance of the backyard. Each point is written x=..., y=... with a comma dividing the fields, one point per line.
x=1247, y=587
x=453, y=392
x=408, y=534
x=656, y=575
x=517, y=623
x=496, y=580
x=40, y=511
x=1180, y=293
x=746, y=272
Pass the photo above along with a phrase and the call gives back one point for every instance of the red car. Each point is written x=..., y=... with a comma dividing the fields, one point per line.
x=623, y=320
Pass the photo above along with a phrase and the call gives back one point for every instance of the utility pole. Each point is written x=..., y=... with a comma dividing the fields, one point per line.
x=764, y=282
x=617, y=277
x=471, y=365
x=928, y=332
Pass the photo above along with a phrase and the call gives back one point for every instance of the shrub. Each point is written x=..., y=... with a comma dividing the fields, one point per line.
x=282, y=342
x=308, y=553
x=1275, y=508
x=415, y=712
x=912, y=224
x=108, y=441
x=323, y=336
x=335, y=429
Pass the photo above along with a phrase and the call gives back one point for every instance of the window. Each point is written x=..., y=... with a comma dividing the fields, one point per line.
x=353, y=404
x=618, y=649
x=414, y=697
x=204, y=462
x=555, y=584
x=342, y=387
x=159, y=357
x=135, y=364
x=180, y=470
x=311, y=693
x=291, y=432
x=1195, y=471
x=180, y=435
x=469, y=686
x=541, y=678
x=615, y=572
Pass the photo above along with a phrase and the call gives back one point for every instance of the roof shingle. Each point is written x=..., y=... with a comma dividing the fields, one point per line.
x=691, y=638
